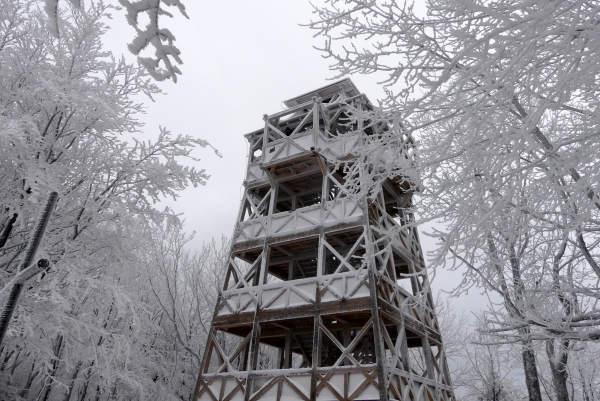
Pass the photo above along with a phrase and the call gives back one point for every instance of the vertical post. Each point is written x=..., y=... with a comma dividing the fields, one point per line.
x=443, y=363
x=265, y=138
x=316, y=354
x=253, y=355
x=403, y=344
x=317, y=336
x=377, y=322
x=288, y=350
x=32, y=246
x=254, y=345
x=316, y=128
x=428, y=355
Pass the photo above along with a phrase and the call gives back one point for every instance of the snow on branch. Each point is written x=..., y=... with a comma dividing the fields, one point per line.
x=161, y=39
x=166, y=55
x=51, y=8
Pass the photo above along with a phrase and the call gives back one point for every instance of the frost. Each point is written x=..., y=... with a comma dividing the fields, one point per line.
x=167, y=55
x=152, y=35
x=503, y=100
x=112, y=313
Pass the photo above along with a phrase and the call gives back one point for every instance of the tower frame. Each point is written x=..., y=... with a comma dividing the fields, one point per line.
x=325, y=295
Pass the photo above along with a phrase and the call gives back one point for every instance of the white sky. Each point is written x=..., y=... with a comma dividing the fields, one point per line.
x=241, y=60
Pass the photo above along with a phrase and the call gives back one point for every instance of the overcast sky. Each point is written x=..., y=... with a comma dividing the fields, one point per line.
x=242, y=59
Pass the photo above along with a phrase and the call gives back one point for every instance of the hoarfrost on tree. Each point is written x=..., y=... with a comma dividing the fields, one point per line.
x=166, y=55
x=90, y=325
x=503, y=102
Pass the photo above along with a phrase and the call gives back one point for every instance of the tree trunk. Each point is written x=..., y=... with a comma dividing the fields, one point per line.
x=85, y=386
x=529, y=363
x=58, y=349
x=7, y=229
x=558, y=367
x=514, y=308
x=98, y=392
x=530, y=367
x=72, y=381
x=24, y=392
x=9, y=354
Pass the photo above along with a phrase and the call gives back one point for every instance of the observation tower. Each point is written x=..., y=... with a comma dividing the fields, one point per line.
x=326, y=295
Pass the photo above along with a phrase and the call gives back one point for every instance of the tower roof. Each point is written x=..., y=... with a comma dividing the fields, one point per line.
x=345, y=85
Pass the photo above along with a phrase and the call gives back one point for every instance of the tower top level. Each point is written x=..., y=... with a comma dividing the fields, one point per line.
x=325, y=295
x=334, y=94
x=324, y=122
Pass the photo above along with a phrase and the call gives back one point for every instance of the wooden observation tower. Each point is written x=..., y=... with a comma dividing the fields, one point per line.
x=325, y=294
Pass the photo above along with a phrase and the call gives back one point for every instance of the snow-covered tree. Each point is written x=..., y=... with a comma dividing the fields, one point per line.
x=480, y=370
x=89, y=326
x=185, y=286
x=502, y=100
